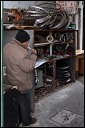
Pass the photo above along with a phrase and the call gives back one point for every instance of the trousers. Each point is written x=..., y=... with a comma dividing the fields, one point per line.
x=24, y=105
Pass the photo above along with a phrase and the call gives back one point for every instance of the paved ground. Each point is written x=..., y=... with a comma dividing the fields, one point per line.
x=64, y=108
x=81, y=79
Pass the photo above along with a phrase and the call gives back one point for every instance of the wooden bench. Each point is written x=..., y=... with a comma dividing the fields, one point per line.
x=79, y=62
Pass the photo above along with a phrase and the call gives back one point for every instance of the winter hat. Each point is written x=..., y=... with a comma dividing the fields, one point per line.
x=22, y=36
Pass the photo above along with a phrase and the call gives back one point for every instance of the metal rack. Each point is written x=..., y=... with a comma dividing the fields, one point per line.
x=67, y=56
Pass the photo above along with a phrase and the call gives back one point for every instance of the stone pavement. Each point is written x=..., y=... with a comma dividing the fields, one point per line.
x=64, y=108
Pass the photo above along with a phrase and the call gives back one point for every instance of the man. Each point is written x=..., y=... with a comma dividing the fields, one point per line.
x=19, y=71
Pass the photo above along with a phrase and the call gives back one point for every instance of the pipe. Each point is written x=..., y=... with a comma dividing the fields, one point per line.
x=81, y=25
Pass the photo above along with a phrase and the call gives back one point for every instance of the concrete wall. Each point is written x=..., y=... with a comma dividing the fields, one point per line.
x=21, y=4
x=9, y=34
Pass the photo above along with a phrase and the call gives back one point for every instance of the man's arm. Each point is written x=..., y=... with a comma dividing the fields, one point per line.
x=28, y=64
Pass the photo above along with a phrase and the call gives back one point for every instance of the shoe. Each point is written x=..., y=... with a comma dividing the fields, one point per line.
x=33, y=122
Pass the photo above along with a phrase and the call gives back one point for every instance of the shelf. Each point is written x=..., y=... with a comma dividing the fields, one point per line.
x=15, y=26
x=63, y=57
x=50, y=59
x=48, y=43
x=11, y=26
x=42, y=44
x=79, y=52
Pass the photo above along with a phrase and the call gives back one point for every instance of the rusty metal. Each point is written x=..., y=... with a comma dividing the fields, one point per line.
x=36, y=8
x=49, y=5
x=46, y=15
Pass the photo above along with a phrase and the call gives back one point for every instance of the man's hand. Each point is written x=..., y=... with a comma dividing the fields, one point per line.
x=33, y=50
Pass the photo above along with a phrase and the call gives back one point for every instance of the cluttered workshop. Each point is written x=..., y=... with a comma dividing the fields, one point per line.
x=56, y=33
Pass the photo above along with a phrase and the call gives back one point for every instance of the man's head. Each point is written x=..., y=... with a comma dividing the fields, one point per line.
x=23, y=37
